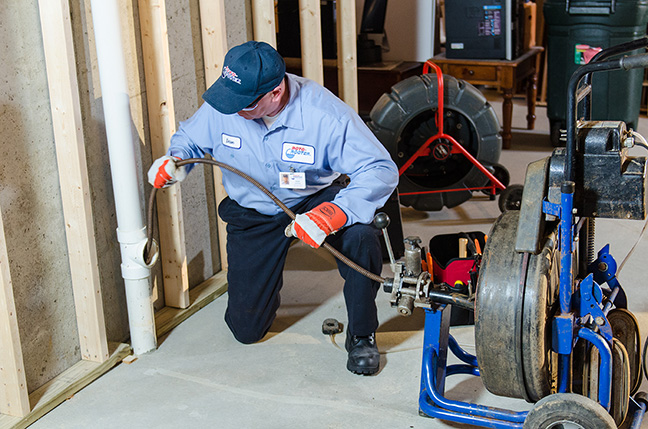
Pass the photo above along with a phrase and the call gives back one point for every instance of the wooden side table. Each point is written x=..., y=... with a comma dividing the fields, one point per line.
x=374, y=81
x=504, y=75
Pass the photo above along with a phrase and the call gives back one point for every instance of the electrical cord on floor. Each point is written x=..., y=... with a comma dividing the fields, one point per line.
x=151, y=208
x=337, y=346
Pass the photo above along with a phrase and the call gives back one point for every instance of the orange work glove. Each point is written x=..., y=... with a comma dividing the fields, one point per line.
x=314, y=226
x=164, y=173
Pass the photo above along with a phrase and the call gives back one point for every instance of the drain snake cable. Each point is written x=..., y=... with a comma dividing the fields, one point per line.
x=151, y=205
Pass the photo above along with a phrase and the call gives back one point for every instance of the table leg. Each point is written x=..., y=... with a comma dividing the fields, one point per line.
x=532, y=93
x=507, y=113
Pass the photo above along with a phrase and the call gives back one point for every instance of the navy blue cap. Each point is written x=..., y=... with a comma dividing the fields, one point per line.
x=249, y=70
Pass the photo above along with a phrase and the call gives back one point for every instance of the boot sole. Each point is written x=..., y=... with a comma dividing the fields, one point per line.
x=363, y=370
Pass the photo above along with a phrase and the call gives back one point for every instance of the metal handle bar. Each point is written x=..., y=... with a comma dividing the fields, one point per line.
x=607, y=53
x=624, y=63
x=620, y=49
x=634, y=62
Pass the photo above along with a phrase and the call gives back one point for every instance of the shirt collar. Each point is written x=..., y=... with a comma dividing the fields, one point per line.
x=292, y=115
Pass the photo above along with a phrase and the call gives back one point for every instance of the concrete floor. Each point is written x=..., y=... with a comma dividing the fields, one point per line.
x=200, y=377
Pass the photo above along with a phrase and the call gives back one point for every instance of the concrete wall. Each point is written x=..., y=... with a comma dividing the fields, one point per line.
x=30, y=199
x=188, y=86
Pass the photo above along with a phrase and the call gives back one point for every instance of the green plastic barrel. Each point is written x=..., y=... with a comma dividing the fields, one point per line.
x=575, y=29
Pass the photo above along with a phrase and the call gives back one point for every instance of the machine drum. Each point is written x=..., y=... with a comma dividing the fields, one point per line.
x=515, y=301
x=405, y=119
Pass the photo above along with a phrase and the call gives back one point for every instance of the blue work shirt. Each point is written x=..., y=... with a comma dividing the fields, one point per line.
x=316, y=133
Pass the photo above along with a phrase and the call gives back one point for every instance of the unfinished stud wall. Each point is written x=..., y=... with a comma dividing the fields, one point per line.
x=239, y=22
x=185, y=51
x=97, y=152
x=30, y=198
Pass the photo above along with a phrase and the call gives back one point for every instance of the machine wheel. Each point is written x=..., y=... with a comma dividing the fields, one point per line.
x=515, y=301
x=568, y=410
x=510, y=198
x=405, y=119
x=625, y=328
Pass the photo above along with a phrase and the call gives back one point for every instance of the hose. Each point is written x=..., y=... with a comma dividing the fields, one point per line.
x=327, y=246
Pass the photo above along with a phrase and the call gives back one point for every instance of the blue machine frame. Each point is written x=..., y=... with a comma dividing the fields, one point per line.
x=583, y=318
x=568, y=326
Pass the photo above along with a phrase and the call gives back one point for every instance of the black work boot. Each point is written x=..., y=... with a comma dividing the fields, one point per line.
x=363, y=354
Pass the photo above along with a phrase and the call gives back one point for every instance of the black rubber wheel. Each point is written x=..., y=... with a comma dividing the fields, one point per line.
x=510, y=198
x=568, y=410
x=515, y=301
x=405, y=119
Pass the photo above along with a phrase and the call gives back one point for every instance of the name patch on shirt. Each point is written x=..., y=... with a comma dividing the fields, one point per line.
x=231, y=141
x=295, y=152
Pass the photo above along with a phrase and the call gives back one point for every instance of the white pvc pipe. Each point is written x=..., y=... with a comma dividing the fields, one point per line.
x=131, y=230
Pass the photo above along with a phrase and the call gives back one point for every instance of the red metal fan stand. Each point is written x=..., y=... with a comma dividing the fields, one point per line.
x=455, y=147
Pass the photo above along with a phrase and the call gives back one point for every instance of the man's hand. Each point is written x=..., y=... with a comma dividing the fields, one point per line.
x=164, y=173
x=312, y=227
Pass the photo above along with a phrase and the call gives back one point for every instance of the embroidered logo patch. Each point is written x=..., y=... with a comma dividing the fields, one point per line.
x=229, y=74
x=231, y=141
x=295, y=152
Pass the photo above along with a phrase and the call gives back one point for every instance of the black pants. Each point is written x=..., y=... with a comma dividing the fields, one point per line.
x=256, y=254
